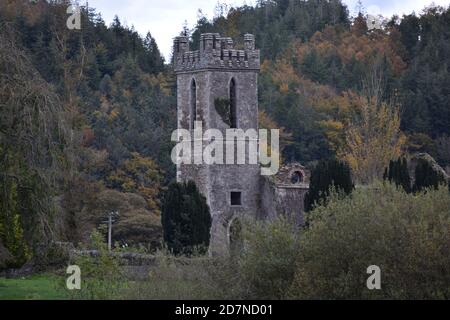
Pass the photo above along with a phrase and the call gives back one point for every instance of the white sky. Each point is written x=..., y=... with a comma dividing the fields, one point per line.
x=165, y=19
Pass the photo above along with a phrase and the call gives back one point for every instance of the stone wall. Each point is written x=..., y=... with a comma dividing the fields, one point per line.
x=283, y=196
x=212, y=69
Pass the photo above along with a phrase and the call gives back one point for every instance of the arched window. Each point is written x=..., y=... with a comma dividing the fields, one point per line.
x=233, y=105
x=297, y=177
x=193, y=107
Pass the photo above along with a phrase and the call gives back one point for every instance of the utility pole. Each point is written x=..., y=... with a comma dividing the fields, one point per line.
x=111, y=219
x=109, y=230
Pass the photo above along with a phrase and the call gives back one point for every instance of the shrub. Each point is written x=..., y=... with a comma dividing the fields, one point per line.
x=175, y=278
x=398, y=173
x=186, y=219
x=267, y=263
x=102, y=276
x=426, y=176
x=222, y=106
x=324, y=176
x=407, y=236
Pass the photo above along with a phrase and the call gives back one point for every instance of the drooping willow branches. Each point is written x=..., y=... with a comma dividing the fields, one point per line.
x=34, y=144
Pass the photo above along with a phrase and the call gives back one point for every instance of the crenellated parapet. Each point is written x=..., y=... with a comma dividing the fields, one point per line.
x=215, y=52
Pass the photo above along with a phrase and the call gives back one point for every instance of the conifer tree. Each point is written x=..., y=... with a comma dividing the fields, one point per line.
x=327, y=174
x=398, y=173
x=186, y=219
x=426, y=177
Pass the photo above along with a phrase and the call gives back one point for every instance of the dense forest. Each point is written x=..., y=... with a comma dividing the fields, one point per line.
x=86, y=115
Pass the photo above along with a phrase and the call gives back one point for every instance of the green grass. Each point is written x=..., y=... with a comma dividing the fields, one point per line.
x=37, y=287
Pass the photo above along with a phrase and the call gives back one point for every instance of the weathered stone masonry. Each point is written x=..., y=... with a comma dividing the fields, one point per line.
x=219, y=72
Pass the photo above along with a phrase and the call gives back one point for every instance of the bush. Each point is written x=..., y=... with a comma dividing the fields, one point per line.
x=175, y=278
x=398, y=173
x=326, y=175
x=102, y=276
x=267, y=264
x=5, y=257
x=53, y=256
x=264, y=270
x=426, y=176
x=186, y=219
x=407, y=236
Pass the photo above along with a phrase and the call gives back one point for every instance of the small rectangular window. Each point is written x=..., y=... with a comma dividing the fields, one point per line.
x=236, y=198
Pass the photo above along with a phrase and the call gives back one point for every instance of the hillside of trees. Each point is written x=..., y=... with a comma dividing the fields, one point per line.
x=86, y=115
x=320, y=67
x=85, y=122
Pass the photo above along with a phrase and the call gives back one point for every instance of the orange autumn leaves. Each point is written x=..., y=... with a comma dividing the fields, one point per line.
x=362, y=130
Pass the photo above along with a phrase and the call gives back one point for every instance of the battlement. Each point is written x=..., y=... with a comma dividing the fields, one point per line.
x=215, y=52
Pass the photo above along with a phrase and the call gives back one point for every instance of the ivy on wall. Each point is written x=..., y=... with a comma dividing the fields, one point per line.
x=222, y=106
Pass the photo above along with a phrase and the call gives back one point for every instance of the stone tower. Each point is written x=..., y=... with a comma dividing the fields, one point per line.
x=220, y=73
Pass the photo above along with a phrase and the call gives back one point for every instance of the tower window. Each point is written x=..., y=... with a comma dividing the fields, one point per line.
x=297, y=177
x=236, y=198
x=233, y=105
x=193, y=111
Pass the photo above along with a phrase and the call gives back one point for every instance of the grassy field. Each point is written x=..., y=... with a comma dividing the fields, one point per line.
x=37, y=287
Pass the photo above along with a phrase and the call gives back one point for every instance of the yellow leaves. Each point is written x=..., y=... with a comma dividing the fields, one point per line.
x=334, y=131
x=139, y=174
x=113, y=114
x=333, y=125
x=284, y=88
x=265, y=66
x=283, y=74
x=372, y=140
x=151, y=197
x=347, y=45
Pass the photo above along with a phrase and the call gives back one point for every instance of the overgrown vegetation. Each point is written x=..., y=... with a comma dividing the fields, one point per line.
x=102, y=275
x=406, y=235
x=426, y=177
x=85, y=127
x=33, y=144
x=328, y=175
x=186, y=219
x=222, y=106
x=84, y=114
x=398, y=173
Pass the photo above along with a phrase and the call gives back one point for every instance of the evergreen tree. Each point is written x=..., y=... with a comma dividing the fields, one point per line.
x=398, y=173
x=328, y=174
x=427, y=177
x=186, y=219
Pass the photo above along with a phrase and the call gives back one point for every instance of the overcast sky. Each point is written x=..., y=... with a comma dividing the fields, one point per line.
x=165, y=18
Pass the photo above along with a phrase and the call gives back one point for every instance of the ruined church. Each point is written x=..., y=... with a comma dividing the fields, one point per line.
x=218, y=85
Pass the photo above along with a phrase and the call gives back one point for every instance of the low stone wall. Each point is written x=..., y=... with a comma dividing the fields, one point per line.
x=127, y=258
